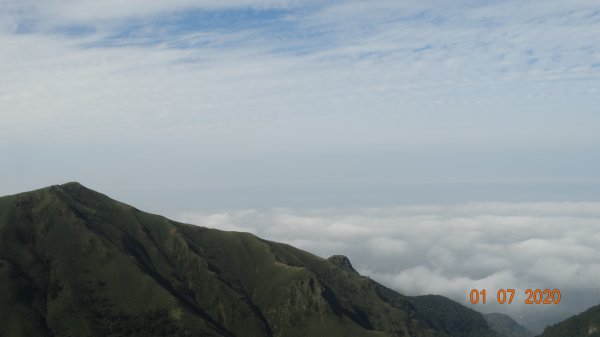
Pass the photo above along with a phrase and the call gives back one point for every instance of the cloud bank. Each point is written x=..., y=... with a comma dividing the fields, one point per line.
x=451, y=249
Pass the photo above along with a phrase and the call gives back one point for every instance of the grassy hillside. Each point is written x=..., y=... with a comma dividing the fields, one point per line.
x=586, y=324
x=74, y=262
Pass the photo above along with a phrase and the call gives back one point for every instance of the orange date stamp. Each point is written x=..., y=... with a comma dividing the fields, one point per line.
x=506, y=296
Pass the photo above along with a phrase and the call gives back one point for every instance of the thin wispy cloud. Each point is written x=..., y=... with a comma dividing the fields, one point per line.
x=351, y=56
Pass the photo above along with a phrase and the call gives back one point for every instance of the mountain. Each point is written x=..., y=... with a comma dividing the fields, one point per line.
x=506, y=326
x=586, y=324
x=74, y=262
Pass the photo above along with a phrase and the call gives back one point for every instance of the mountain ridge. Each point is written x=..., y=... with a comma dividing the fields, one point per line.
x=585, y=324
x=74, y=262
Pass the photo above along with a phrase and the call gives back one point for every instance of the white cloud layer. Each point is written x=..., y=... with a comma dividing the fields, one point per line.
x=450, y=250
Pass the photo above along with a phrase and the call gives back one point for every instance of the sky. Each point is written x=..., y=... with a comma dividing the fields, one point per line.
x=478, y=113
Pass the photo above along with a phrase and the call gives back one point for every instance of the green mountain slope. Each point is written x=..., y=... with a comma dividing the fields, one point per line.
x=586, y=324
x=506, y=326
x=74, y=262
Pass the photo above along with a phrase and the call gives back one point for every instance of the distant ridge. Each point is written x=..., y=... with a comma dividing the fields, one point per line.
x=506, y=326
x=74, y=262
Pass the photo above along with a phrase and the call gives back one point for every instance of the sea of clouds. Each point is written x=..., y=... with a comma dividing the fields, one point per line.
x=451, y=249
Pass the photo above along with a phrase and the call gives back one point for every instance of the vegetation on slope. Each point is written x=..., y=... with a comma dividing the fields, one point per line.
x=586, y=324
x=74, y=262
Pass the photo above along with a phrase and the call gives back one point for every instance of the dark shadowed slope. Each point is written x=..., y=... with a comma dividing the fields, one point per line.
x=74, y=262
x=506, y=326
x=586, y=324
x=450, y=317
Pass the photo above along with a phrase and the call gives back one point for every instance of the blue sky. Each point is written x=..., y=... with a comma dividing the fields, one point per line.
x=204, y=107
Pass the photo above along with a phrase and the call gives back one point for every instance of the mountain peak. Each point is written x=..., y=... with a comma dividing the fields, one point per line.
x=341, y=261
x=72, y=184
